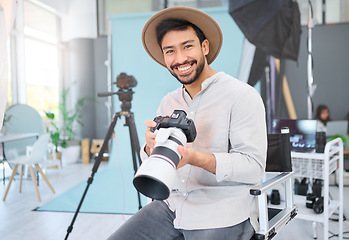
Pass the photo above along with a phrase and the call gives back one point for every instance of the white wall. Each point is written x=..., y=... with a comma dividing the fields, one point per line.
x=79, y=18
x=59, y=6
x=335, y=11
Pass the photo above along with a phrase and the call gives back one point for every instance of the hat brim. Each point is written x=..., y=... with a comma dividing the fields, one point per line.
x=202, y=20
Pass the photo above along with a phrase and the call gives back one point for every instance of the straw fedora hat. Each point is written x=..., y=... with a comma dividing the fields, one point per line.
x=202, y=20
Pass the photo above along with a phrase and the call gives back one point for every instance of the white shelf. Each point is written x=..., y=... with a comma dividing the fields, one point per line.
x=320, y=166
x=308, y=214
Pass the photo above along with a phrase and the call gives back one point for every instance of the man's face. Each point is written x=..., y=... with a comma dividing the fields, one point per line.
x=184, y=55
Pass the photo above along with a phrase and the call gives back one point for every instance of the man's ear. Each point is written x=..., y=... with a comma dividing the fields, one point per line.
x=205, y=47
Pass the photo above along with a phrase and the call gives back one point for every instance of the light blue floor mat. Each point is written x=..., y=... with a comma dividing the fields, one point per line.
x=108, y=193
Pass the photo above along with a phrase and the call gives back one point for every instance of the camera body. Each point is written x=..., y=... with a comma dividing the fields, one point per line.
x=125, y=81
x=177, y=120
x=156, y=175
x=315, y=203
x=275, y=197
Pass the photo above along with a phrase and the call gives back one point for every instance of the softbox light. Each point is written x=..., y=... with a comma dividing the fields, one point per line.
x=271, y=25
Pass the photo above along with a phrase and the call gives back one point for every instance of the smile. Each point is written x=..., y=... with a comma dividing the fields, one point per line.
x=184, y=68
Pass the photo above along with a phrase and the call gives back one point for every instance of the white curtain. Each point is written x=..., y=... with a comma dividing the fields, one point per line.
x=8, y=9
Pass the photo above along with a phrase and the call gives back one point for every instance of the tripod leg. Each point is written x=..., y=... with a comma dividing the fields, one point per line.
x=135, y=148
x=94, y=170
x=134, y=140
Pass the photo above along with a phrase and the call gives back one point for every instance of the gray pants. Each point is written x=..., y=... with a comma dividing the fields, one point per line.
x=155, y=222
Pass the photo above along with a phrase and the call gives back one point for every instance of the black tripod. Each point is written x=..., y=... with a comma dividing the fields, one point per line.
x=125, y=82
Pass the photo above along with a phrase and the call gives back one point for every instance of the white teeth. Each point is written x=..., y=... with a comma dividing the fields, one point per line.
x=184, y=68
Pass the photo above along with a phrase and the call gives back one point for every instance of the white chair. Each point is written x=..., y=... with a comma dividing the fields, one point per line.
x=36, y=157
x=48, y=163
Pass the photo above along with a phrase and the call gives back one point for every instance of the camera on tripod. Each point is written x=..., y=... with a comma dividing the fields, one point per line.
x=155, y=176
x=125, y=83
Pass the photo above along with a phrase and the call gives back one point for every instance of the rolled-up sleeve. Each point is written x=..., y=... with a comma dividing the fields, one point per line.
x=245, y=161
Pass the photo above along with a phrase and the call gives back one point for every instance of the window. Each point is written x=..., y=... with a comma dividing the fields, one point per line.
x=41, y=57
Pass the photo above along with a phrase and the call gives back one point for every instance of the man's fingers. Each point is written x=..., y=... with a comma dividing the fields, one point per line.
x=150, y=123
x=180, y=149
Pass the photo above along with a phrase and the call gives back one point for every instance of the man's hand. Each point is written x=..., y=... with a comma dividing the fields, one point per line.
x=149, y=137
x=190, y=156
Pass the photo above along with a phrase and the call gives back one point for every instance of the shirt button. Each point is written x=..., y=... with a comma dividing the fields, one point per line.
x=191, y=113
x=182, y=180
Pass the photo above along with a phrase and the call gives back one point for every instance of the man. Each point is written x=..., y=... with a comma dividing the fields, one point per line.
x=210, y=199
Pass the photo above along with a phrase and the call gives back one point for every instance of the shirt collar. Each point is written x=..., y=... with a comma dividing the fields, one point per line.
x=204, y=86
x=210, y=80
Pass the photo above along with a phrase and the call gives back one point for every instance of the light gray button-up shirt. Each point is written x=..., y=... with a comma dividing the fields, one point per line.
x=229, y=117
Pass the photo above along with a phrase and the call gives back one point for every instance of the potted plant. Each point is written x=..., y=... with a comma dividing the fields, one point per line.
x=63, y=135
x=70, y=117
x=53, y=130
x=55, y=136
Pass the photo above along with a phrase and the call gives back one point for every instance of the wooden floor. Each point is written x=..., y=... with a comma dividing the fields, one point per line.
x=19, y=221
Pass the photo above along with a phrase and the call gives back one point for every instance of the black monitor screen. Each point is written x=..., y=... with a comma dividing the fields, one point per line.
x=302, y=133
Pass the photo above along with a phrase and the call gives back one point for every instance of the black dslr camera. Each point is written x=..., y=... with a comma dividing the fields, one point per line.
x=178, y=120
x=156, y=175
x=125, y=81
x=314, y=200
x=315, y=203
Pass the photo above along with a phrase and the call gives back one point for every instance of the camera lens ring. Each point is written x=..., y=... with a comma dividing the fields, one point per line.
x=167, y=154
x=175, y=140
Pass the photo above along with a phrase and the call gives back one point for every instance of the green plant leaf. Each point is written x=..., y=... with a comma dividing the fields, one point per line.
x=71, y=116
x=50, y=115
x=338, y=136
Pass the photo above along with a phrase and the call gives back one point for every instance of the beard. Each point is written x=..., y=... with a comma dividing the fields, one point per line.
x=198, y=71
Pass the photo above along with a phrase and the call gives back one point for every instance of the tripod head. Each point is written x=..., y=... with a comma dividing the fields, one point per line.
x=125, y=83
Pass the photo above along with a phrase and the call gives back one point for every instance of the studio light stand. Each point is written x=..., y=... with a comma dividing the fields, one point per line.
x=311, y=85
x=125, y=84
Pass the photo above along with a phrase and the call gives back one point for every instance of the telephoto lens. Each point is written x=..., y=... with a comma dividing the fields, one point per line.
x=156, y=175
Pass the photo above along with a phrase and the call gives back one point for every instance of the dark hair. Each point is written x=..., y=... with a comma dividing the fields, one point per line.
x=319, y=109
x=176, y=24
